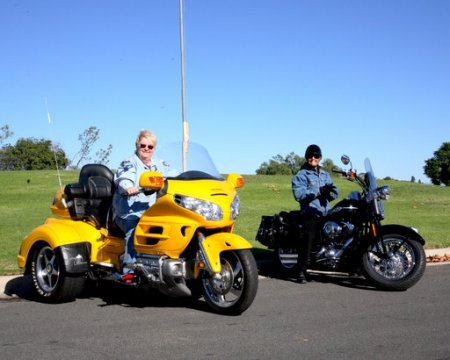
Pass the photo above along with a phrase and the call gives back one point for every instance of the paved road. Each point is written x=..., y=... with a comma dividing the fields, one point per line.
x=330, y=318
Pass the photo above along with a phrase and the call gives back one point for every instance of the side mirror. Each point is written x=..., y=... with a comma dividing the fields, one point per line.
x=151, y=180
x=345, y=159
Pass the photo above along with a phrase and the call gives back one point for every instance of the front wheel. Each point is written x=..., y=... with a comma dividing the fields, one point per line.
x=50, y=281
x=397, y=262
x=233, y=290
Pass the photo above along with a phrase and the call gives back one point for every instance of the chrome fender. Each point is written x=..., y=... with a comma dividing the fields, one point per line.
x=211, y=247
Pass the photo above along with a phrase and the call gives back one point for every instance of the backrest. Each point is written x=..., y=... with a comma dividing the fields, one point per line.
x=91, y=197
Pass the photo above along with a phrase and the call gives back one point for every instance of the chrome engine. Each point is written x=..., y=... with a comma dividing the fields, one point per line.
x=337, y=231
x=168, y=275
x=336, y=238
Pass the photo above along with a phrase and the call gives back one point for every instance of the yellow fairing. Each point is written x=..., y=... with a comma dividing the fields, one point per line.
x=57, y=232
x=160, y=233
x=215, y=244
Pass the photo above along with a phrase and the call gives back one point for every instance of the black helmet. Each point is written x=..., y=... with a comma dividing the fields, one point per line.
x=312, y=150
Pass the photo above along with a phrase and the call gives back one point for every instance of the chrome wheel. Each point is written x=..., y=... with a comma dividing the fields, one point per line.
x=232, y=290
x=226, y=287
x=49, y=278
x=47, y=269
x=397, y=263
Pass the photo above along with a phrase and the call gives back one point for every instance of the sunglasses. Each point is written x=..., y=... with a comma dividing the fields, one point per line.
x=315, y=156
x=144, y=146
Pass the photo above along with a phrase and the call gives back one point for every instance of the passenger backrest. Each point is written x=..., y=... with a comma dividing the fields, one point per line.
x=91, y=197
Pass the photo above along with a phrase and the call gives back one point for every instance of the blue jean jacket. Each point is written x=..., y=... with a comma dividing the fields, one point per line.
x=127, y=175
x=306, y=190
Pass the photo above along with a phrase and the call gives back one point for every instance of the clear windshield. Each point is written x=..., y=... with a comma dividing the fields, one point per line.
x=197, y=159
x=372, y=182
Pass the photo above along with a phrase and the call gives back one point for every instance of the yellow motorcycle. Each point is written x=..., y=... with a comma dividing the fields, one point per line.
x=185, y=241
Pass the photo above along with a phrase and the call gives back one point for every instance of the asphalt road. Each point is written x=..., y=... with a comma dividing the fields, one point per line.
x=329, y=318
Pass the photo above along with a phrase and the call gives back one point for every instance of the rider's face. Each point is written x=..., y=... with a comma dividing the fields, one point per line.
x=314, y=160
x=146, y=147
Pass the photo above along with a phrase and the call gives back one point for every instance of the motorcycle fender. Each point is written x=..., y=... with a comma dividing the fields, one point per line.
x=75, y=257
x=214, y=244
x=403, y=230
x=57, y=233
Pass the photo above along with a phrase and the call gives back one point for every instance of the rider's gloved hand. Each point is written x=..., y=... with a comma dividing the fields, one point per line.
x=326, y=190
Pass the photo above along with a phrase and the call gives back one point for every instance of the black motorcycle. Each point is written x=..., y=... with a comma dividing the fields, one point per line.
x=352, y=238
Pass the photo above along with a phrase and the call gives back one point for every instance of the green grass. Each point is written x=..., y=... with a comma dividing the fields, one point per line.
x=26, y=197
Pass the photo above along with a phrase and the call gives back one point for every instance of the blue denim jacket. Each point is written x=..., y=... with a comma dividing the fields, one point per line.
x=127, y=175
x=306, y=190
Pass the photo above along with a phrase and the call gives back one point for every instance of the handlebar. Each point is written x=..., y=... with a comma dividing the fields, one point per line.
x=141, y=191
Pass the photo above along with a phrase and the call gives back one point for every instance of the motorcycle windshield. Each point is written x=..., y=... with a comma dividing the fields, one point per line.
x=197, y=159
x=370, y=176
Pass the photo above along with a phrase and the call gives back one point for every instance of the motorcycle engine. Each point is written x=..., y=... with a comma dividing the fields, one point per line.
x=337, y=231
x=336, y=237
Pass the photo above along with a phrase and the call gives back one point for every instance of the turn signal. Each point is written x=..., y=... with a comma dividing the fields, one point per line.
x=236, y=180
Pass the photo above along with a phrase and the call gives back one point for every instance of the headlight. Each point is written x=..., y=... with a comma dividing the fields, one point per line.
x=235, y=208
x=207, y=209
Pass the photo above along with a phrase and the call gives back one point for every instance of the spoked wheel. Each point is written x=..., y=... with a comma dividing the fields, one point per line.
x=286, y=259
x=233, y=290
x=399, y=266
x=50, y=281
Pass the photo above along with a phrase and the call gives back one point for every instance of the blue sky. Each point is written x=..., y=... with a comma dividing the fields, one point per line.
x=365, y=78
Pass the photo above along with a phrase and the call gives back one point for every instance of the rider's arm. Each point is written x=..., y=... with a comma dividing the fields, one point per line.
x=124, y=177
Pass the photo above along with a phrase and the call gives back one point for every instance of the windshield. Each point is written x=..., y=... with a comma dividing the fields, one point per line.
x=371, y=179
x=197, y=159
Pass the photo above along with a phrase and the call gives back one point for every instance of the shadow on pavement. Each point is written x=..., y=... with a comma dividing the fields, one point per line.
x=267, y=268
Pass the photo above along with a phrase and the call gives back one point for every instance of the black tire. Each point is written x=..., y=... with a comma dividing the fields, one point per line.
x=285, y=260
x=400, y=268
x=50, y=281
x=235, y=290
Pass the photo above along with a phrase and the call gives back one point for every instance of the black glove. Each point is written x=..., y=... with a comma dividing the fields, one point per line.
x=326, y=190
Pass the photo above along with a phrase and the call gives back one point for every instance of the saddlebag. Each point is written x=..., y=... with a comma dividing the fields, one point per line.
x=279, y=230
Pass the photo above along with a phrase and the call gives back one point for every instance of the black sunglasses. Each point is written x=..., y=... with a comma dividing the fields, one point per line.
x=144, y=146
x=315, y=156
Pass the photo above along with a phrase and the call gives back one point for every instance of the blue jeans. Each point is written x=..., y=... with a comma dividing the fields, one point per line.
x=128, y=226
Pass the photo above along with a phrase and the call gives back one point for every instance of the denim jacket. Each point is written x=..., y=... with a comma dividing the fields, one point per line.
x=306, y=190
x=127, y=175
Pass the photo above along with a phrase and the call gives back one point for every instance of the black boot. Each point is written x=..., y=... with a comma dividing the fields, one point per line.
x=301, y=278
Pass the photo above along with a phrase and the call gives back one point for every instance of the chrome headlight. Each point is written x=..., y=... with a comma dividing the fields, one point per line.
x=207, y=209
x=235, y=208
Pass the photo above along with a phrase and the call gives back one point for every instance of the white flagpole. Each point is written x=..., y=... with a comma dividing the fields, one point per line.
x=183, y=92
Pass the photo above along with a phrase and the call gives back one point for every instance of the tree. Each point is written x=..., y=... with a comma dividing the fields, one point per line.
x=280, y=165
x=288, y=165
x=32, y=154
x=5, y=133
x=88, y=139
x=437, y=168
x=103, y=155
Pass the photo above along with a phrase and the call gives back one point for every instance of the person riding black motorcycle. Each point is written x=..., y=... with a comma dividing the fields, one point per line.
x=313, y=188
x=351, y=237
